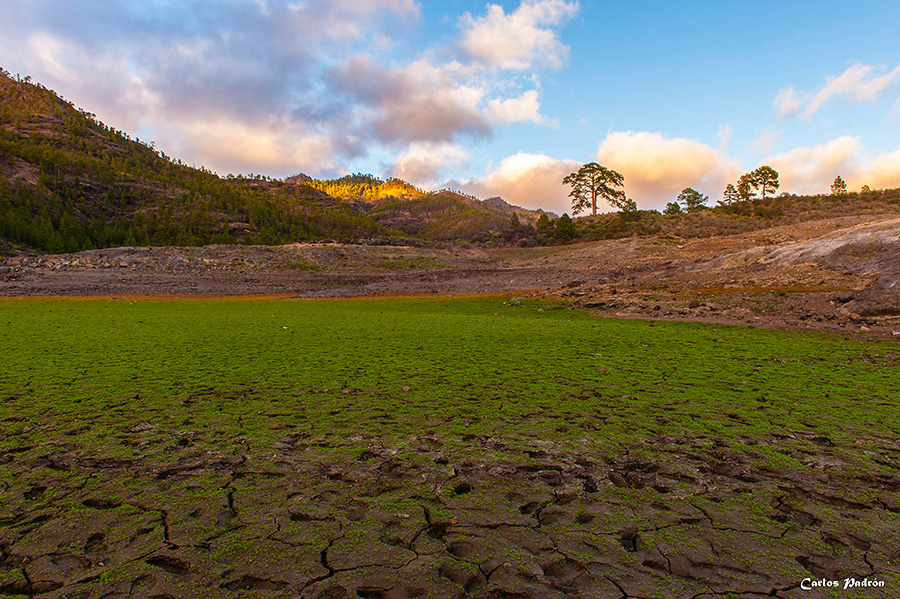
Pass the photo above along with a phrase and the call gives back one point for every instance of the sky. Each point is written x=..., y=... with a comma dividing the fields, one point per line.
x=501, y=98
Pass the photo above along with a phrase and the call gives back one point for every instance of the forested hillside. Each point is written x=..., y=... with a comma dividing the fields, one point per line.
x=69, y=182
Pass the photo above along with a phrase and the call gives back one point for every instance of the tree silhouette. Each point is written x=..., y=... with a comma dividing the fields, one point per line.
x=593, y=181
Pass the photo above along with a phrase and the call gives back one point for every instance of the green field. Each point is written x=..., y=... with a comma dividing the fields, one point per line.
x=183, y=436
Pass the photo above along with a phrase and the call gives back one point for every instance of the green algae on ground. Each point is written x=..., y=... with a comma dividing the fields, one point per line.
x=393, y=367
x=232, y=425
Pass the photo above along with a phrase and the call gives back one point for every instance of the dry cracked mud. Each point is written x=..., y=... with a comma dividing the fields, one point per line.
x=211, y=517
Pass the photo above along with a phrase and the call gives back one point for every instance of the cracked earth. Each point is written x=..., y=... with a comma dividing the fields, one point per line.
x=678, y=517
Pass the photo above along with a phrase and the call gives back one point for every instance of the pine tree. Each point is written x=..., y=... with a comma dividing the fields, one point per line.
x=839, y=187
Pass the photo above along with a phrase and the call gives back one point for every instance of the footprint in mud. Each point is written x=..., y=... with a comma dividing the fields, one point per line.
x=145, y=580
x=357, y=511
x=70, y=562
x=100, y=504
x=461, y=549
x=820, y=567
x=252, y=583
x=565, y=573
x=529, y=508
x=172, y=565
x=466, y=577
x=392, y=469
x=34, y=492
x=335, y=592
x=95, y=543
x=462, y=489
x=588, y=484
x=629, y=538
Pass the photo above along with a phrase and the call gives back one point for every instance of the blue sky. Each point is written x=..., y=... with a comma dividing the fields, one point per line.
x=501, y=98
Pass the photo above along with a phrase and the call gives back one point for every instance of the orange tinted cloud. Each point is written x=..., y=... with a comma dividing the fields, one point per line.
x=239, y=148
x=528, y=180
x=882, y=173
x=656, y=169
x=812, y=170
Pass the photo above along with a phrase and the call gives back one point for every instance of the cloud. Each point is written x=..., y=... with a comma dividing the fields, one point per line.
x=812, y=169
x=724, y=135
x=527, y=180
x=520, y=39
x=809, y=170
x=856, y=82
x=656, y=169
x=882, y=173
x=423, y=163
x=236, y=147
x=417, y=103
x=859, y=82
x=764, y=142
x=524, y=108
x=787, y=103
x=290, y=74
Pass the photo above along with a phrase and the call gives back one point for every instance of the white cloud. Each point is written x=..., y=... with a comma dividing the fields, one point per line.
x=528, y=180
x=524, y=108
x=787, y=102
x=656, y=169
x=856, y=82
x=423, y=163
x=724, y=135
x=860, y=83
x=520, y=39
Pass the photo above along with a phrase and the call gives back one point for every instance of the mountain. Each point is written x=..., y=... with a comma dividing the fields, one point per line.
x=69, y=182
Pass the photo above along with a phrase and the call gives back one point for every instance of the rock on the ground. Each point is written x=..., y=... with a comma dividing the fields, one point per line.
x=882, y=298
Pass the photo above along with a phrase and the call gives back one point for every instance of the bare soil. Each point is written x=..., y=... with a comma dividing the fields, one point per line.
x=837, y=274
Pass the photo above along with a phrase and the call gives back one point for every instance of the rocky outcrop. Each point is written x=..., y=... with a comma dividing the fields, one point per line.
x=870, y=249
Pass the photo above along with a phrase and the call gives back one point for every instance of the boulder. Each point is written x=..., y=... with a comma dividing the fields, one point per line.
x=882, y=298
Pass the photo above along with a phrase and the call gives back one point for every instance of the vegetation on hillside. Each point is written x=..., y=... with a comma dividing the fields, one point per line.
x=69, y=182
x=749, y=206
x=741, y=217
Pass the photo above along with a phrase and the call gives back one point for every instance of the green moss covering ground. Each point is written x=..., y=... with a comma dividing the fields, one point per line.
x=226, y=428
